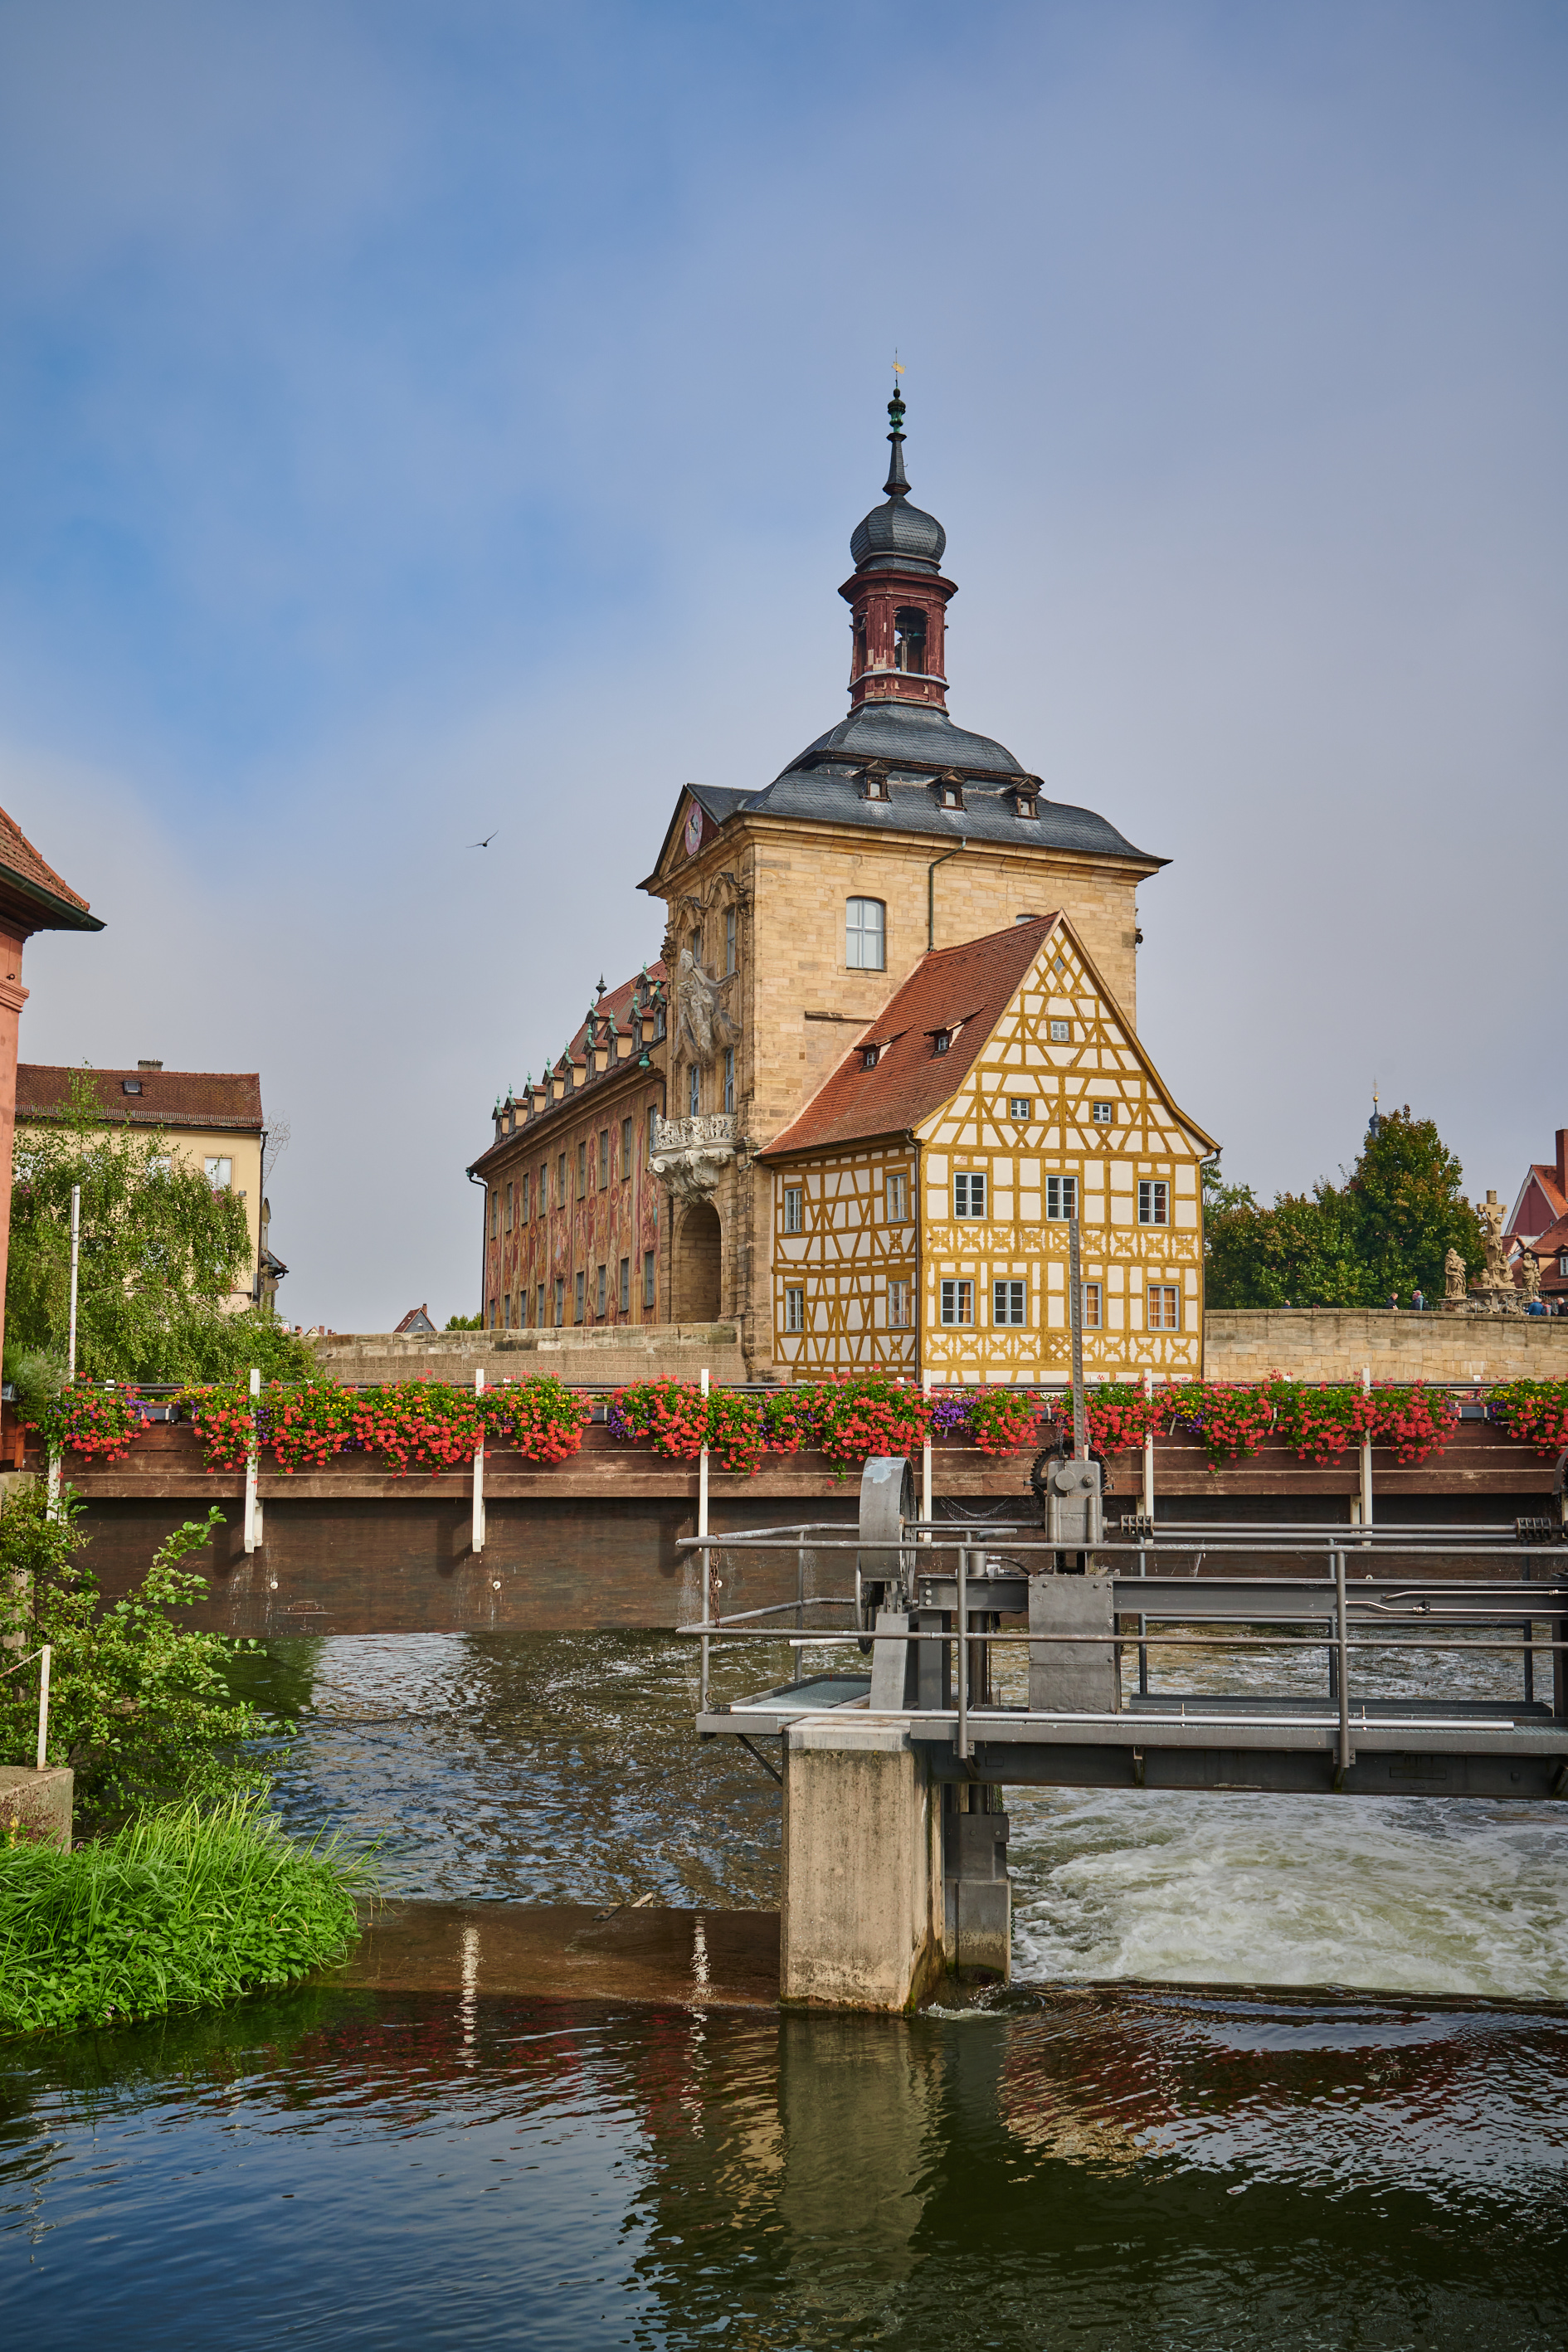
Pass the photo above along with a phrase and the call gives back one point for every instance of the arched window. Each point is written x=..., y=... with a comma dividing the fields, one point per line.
x=909, y=639
x=865, y=935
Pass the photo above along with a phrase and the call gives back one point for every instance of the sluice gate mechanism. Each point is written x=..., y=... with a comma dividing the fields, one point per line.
x=1043, y=1648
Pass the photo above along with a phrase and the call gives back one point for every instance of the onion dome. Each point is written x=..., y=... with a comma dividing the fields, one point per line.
x=898, y=533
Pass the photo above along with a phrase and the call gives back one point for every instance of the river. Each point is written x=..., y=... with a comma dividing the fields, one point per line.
x=1273, y=2072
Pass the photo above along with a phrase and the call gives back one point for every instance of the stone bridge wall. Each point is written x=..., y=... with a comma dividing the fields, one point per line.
x=612, y=1356
x=1325, y=1343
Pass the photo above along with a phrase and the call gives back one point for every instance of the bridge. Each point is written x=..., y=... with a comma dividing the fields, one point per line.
x=981, y=1652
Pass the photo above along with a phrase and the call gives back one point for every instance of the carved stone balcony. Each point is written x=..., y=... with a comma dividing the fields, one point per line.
x=689, y=1154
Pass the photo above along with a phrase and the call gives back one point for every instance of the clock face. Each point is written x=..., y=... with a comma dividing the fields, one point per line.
x=693, y=831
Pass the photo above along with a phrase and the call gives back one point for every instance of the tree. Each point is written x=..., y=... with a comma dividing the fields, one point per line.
x=1386, y=1230
x=465, y=1322
x=162, y=1253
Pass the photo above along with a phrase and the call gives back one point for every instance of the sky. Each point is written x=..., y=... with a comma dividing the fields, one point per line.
x=425, y=417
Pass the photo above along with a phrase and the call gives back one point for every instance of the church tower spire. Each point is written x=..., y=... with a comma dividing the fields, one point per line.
x=898, y=596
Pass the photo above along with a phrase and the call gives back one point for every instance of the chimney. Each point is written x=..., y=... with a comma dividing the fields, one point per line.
x=158, y=1065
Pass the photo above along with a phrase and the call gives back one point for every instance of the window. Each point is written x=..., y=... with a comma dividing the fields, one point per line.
x=506, y=1310
x=541, y=1305
x=795, y=1309
x=695, y=943
x=601, y=1292
x=509, y=1208
x=158, y=1163
x=729, y=1077
x=693, y=1091
x=561, y=1181
x=898, y=1315
x=1009, y=1303
x=652, y=1124
x=220, y=1174
x=898, y=1197
x=1104, y=1114
x=968, y=1195
x=1563, y=1263
x=1153, y=1204
x=542, y=1195
x=868, y=1057
x=1061, y=1032
x=659, y=1022
x=626, y=1148
x=524, y=1186
x=1020, y=1107
x=129, y=1085
x=941, y=1040
x=625, y=1293
x=580, y=1285
x=949, y=793
x=1164, y=1308
x=732, y=935
x=560, y=1300
x=1061, y=1196
x=582, y=1169
x=492, y=1314
x=794, y=1205
x=495, y=1200
x=910, y=640
x=958, y=1302
x=604, y=1158
x=1093, y=1306
x=865, y=935
x=649, y=1278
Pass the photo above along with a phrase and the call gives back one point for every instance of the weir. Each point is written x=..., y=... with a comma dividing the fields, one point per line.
x=971, y=1653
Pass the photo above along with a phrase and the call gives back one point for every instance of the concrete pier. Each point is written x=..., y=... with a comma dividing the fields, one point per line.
x=37, y=1804
x=861, y=1878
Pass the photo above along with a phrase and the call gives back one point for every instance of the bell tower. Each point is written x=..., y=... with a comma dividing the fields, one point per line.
x=896, y=596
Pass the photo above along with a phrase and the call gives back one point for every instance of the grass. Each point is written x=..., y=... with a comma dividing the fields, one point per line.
x=180, y=1909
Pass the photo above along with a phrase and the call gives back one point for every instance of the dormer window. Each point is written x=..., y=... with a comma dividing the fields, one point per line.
x=950, y=792
x=868, y=1057
x=941, y=1040
x=910, y=640
x=129, y=1085
x=874, y=784
x=1025, y=801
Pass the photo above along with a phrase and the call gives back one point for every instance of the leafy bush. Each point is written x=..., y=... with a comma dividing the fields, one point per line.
x=180, y=1909
x=139, y=1707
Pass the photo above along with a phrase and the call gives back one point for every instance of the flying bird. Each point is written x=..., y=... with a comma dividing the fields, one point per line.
x=487, y=841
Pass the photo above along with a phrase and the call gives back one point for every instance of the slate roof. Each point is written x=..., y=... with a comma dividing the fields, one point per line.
x=199, y=1098
x=52, y=904
x=966, y=989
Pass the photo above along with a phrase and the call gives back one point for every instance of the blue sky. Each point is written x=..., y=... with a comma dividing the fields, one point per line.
x=418, y=419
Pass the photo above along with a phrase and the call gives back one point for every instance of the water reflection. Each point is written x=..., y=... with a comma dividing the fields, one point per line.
x=1094, y=2167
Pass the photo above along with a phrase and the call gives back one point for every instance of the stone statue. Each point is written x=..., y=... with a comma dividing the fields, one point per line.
x=1497, y=1276
x=702, y=1024
x=1530, y=1266
x=1453, y=1276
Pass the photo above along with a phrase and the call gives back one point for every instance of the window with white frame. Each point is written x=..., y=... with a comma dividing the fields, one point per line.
x=898, y=1196
x=900, y=1316
x=1020, y=1107
x=793, y=1209
x=958, y=1302
x=794, y=1307
x=1104, y=1114
x=968, y=1193
x=865, y=935
x=1093, y=1307
x=1153, y=1203
x=1061, y=1196
x=1061, y=1032
x=220, y=1174
x=1009, y=1303
x=1163, y=1312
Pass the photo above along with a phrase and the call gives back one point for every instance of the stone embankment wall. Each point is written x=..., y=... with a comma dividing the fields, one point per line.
x=1325, y=1343
x=612, y=1357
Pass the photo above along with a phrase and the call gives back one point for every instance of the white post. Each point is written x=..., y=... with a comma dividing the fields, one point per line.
x=925, y=1462
x=1149, y=1451
x=1366, y=1455
x=252, y=1509
x=46, y=1656
x=76, y=1264
x=703, y=1476
x=706, y=1555
x=479, y=1538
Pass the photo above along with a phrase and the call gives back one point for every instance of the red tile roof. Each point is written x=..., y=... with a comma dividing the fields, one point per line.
x=964, y=989
x=201, y=1098
x=22, y=866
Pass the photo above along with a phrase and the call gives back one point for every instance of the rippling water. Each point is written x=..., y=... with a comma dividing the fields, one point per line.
x=1193, y=2164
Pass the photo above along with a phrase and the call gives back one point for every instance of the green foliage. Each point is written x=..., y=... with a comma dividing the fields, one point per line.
x=162, y=1253
x=465, y=1322
x=1386, y=1231
x=184, y=1908
x=139, y=1707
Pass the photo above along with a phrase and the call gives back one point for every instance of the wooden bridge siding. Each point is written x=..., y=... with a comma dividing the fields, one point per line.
x=592, y=1543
